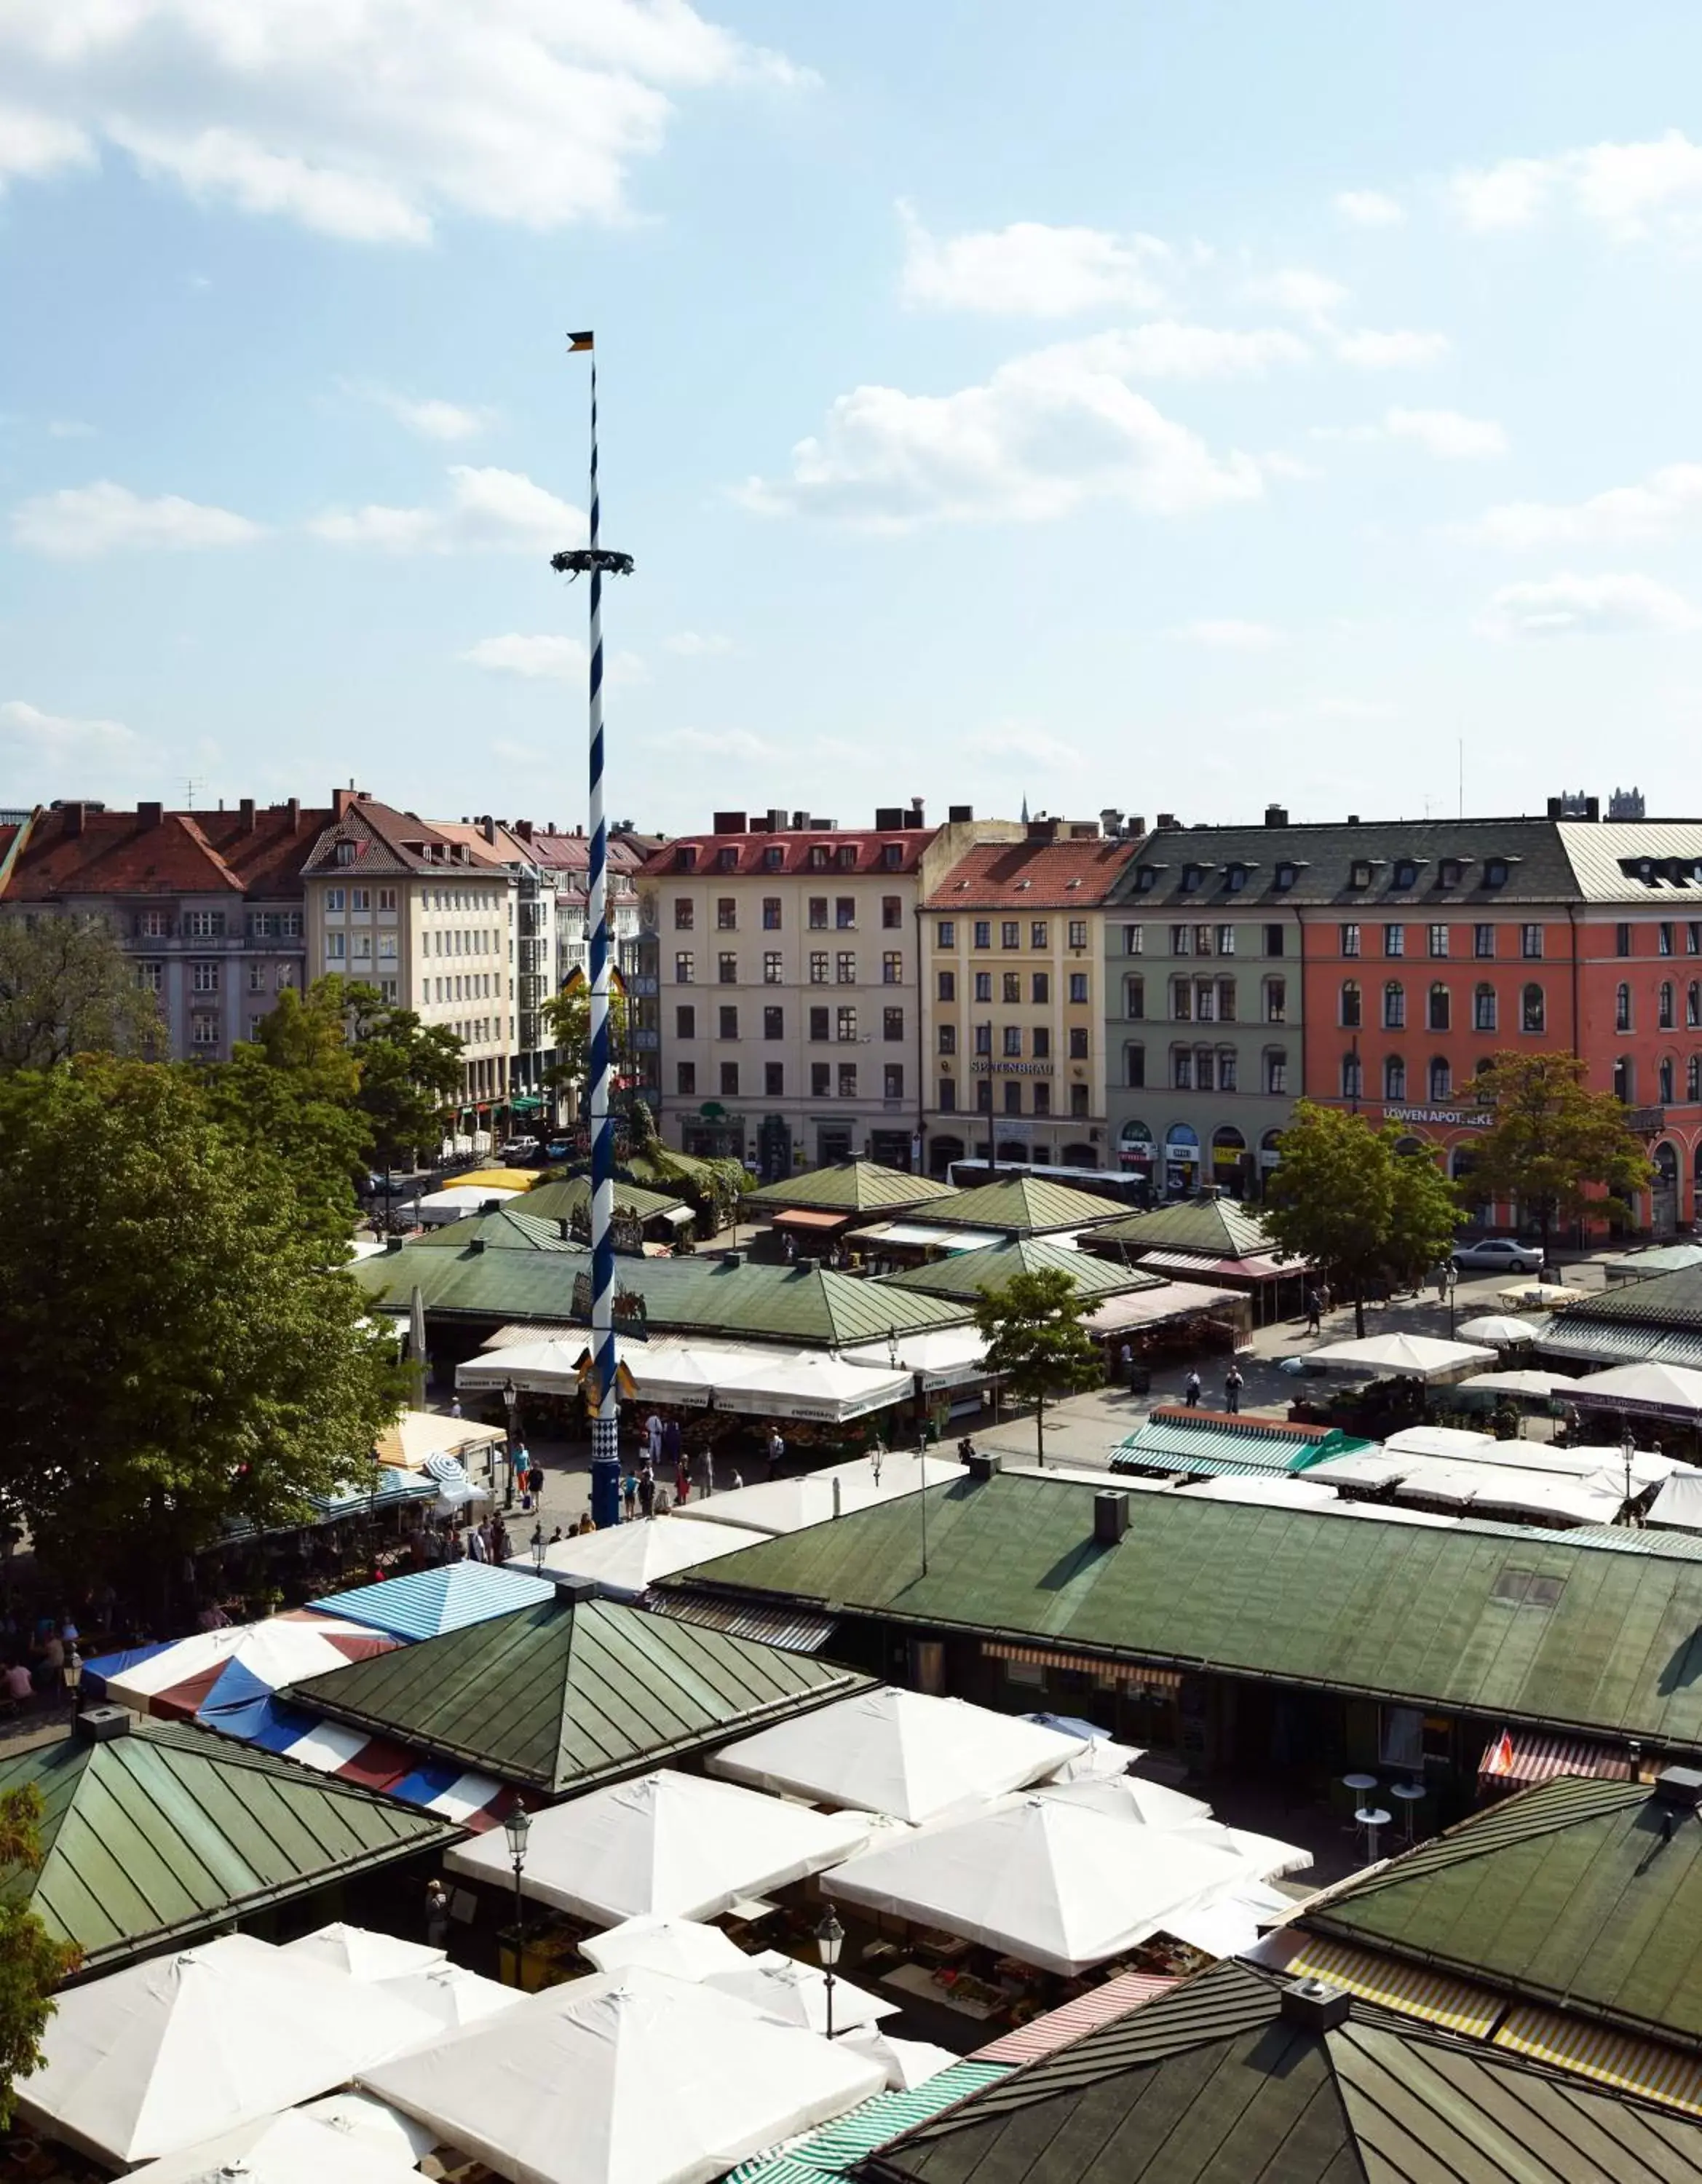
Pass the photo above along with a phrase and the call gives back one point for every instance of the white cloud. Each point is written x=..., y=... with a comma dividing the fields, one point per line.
x=488, y=510
x=1668, y=501
x=1369, y=209
x=549, y=659
x=70, y=428
x=1627, y=190
x=1030, y=269
x=1589, y=606
x=1046, y=434
x=693, y=644
x=372, y=118
x=1166, y=349
x=1230, y=636
x=80, y=522
x=1393, y=351
x=716, y=743
x=1033, y=746
x=431, y=419
x=26, y=732
x=1448, y=435
x=1311, y=296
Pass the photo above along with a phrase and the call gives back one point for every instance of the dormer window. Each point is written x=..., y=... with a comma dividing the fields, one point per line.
x=892, y=854
x=1495, y=873
x=1149, y=879
x=1448, y=873
x=1285, y=878
x=1645, y=871
x=1360, y=874
x=345, y=853
x=818, y=857
x=1190, y=879
x=847, y=857
x=726, y=860
x=686, y=860
x=1405, y=875
x=1235, y=878
x=773, y=858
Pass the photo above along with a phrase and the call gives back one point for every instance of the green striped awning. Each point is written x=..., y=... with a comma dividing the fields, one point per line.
x=831, y=2151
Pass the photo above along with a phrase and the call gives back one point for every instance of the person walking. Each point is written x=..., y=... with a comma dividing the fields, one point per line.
x=436, y=1915
x=501, y=1545
x=1126, y=1364
x=1233, y=1385
x=673, y=1441
x=1314, y=1312
x=682, y=1483
x=653, y=1437
x=478, y=1547
x=777, y=1451
x=1191, y=1389
x=535, y=1485
x=629, y=1495
x=647, y=1490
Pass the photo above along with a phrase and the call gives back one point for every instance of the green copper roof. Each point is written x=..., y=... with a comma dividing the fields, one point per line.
x=571, y=1193
x=806, y=1304
x=1022, y=1205
x=967, y=1274
x=1215, y=1228
x=1570, y=1892
x=1663, y=1300
x=1169, y=1439
x=163, y=1833
x=857, y=1186
x=1600, y=1642
x=567, y=1694
x=504, y=1229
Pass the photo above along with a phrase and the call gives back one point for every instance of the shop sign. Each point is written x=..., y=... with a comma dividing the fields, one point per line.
x=1451, y=1118
x=984, y=1066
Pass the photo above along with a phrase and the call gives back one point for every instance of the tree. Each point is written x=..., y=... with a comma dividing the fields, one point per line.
x=1363, y=1213
x=65, y=988
x=1557, y=1149
x=1034, y=1334
x=410, y=1075
x=567, y=1016
x=32, y=1963
x=179, y=1355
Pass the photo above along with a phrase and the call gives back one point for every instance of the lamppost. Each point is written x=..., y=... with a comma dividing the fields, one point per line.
x=830, y=1939
x=1627, y=1451
x=537, y=1548
x=511, y=1396
x=1453, y=1291
x=517, y=1827
x=72, y=1675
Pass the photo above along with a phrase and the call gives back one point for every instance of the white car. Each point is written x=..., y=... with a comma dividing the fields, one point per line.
x=1499, y=1254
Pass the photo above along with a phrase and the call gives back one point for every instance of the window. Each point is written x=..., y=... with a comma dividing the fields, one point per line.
x=387, y=948
x=1226, y=1000
x=730, y=1078
x=983, y=932
x=335, y=947
x=1135, y=940
x=848, y=1080
x=1438, y=1015
x=1624, y=1079
x=1483, y=1010
x=1078, y=985
x=1078, y=931
x=892, y=910
x=891, y=855
x=150, y=976
x=1013, y=1098
x=1182, y=1068
x=1135, y=1068
x=257, y=978
x=1395, y=940
x=1078, y=1043
x=845, y=969
x=1043, y=1098
x=1622, y=1008
x=1235, y=878
x=1693, y=1078
x=947, y=1041
x=1483, y=941
x=892, y=969
x=685, y=1077
x=1276, y=1071
x=818, y=913
x=362, y=948
x=728, y=1020
x=682, y=970
x=847, y=859
x=845, y=1025
x=1664, y=1005
x=1010, y=986
x=1350, y=940
x=983, y=985
x=845, y=913
x=1012, y=1041
x=1394, y=1078
x=1040, y=989
x=1533, y=1009
x=155, y=924
x=206, y=924
x=685, y=913
x=891, y=1023
x=1692, y=1005
x=1394, y=1006
x=204, y=1031
x=1037, y=935
x=818, y=1023
x=286, y=976
x=1439, y=939
x=1405, y=875
x=1285, y=875
x=1276, y=1001
x=1359, y=875
x=770, y=913
x=821, y=1079
x=1191, y=878
x=1441, y=1079
x=1226, y=939
x=772, y=972
x=386, y=899
x=1693, y=937
x=1665, y=936
x=818, y=967
x=1449, y=872
x=1202, y=940
x=773, y=1080
x=818, y=857
x=1135, y=999
x=1350, y=1003
x=359, y=899
x=945, y=933
x=774, y=1023
x=1495, y=873
x=727, y=970
x=1273, y=939
x=947, y=1099
x=1078, y=1100
x=1009, y=932
x=727, y=860
x=1182, y=940
x=1664, y=1081
x=1353, y=1076
x=1204, y=1075
x=983, y=1039
x=1040, y=1042
x=1182, y=1000
x=893, y=1080
x=1621, y=940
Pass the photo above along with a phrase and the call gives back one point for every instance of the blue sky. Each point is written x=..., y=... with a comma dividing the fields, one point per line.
x=1175, y=407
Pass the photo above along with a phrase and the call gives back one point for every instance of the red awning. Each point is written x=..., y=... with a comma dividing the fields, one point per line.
x=803, y=1216
x=1517, y=1758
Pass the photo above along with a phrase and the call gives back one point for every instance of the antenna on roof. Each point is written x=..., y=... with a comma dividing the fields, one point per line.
x=190, y=786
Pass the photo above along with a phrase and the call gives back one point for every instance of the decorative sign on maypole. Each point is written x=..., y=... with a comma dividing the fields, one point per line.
x=602, y=1383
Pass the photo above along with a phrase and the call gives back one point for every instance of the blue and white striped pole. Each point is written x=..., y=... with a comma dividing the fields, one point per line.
x=605, y=1424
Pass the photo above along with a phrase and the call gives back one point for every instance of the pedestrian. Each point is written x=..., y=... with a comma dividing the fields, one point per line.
x=1324, y=1296
x=738, y=1478
x=555, y=1535
x=535, y=1485
x=1314, y=1312
x=629, y=1495
x=653, y=1437
x=789, y=1246
x=1126, y=1364
x=454, y=1407
x=436, y=1915
x=777, y=1451
x=673, y=1441
x=1233, y=1385
x=877, y=1456
x=478, y=1547
x=1191, y=1389
x=682, y=1483
x=1439, y=1275
x=647, y=1490
x=501, y=1545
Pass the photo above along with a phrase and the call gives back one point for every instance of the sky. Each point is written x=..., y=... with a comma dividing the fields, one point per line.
x=1172, y=409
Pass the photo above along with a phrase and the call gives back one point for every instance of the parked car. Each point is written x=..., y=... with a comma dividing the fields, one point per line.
x=1499, y=1254
x=558, y=1149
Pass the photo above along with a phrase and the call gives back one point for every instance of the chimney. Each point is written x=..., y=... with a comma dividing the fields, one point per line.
x=776, y=818
x=1353, y=818
x=1166, y=819
x=1110, y=1517
x=100, y=1725
x=888, y=818
x=1110, y=822
x=1678, y=1788
x=1045, y=830
x=523, y=828
x=982, y=1464
x=245, y=813
x=959, y=814
x=1276, y=815
x=487, y=827
x=294, y=808
x=916, y=818
x=800, y=822
x=150, y=815
x=729, y=823
x=341, y=800
x=1315, y=2005
x=75, y=816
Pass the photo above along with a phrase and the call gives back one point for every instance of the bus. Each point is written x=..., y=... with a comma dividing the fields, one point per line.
x=1127, y=1189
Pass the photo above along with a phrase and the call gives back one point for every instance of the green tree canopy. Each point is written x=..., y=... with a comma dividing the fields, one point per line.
x=31, y=1963
x=1032, y=1326
x=178, y=1354
x=567, y=1015
x=1361, y=1211
x=1559, y=1150
x=410, y=1076
x=65, y=988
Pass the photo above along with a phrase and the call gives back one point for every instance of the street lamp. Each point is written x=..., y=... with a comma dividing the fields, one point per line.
x=517, y=1827
x=511, y=1397
x=830, y=1939
x=72, y=1674
x=537, y=1548
x=1627, y=1451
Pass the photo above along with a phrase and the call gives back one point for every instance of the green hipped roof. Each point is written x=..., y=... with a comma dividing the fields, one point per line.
x=1663, y=1300
x=159, y=1835
x=569, y=1194
x=1022, y=1205
x=967, y=1274
x=1403, y=1613
x=1567, y=1892
x=567, y=1694
x=857, y=1186
x=1215, y=1228
x=504, y=1229
x=802, y=1304
x=1211, y=2084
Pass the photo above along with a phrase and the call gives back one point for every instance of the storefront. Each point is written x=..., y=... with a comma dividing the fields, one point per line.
x=1181, y=1161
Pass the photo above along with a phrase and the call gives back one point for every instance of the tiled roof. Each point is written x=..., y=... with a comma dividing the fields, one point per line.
x=1062, y=876
x=856, y=1186
x=385, y=840
x=1022, y=1205
x=1215, y=1228
x=1663, y=1300
x=181, y=853
x=1609, y=860
x=754, y=855
x=567, y=1195
x=966, y=1273
x=1324, y=858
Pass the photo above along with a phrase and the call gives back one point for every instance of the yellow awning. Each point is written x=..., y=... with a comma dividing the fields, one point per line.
x=495, y=1179
x=1409, y=1989
x=1619, y=2059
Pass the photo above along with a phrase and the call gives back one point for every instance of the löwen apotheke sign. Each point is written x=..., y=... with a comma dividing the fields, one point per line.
x=984, y=1066
x=1452, y=1118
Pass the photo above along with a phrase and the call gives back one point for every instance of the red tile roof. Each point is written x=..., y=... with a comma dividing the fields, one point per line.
x=386, y=840
x=1032, y=875
x=752, y=853
x=178, y=853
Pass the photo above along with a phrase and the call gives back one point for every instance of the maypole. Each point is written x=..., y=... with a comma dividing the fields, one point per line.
x=602, y=1387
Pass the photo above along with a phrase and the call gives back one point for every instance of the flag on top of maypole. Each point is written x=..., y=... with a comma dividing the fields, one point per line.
x=578, y=343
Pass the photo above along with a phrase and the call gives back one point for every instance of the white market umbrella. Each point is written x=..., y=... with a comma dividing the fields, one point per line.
x=376, y=2122
x=362, y=1955
x=536, y=1369
x=1424, y=1356
x=452, y=1996
x=627, y=2078
x=1498, y=1329
x=1151, y=1806
x=906, y=2063
x=294, y=2147
x=665, y=1843
x=793, y=1993
x=624, y=1561
x=897, y=1751
x=1097, y=1759
x=684, y=1948
x=1670, y=1391
x=163, y=2054
x=1147, y=1804
x=1534, y=1295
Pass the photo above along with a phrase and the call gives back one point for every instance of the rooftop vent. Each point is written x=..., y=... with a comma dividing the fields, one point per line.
x=100, y=1725
x=570, y=1591
x=1315, y=2005
x=1110, y=1517
x=982, y=1464
x=1679, y=1788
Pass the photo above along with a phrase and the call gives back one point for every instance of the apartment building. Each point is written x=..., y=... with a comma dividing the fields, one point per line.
x=1013, y=937
x=209, y=905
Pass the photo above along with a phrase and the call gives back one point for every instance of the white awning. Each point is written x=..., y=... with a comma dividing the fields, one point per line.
x=1152, y=1307
x=624, y=1560
x=1664, y=1390
x=747, y=1377
x=1423, y=1357
x=945, y=1357
x=922, y=1235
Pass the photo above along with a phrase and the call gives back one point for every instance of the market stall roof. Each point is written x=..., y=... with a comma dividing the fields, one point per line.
x=219, y=1676
x=164, y=1831
x=967, y=1274
x=1677, y=1508
x=424, y=1603
x=1172, y=1438
x=754, y=1379
x=453, y=1997
x=527, y=1696
x=684, y=1948
x=456, y=1202
x=1669, y=1302
x=165, y=2054
x=1531, y=1384
x=624, y=1560
x=1023, y=1205
x=1158, y=1305
x=811, y=1220
x=1440, y=1441
x=569, y=1195
x=924, y=1235
x=296, y=2147
x=1500, y=1329
x=361, y=1953
x=1043, y=1878
x=515, y=1180
x=856, y=1186
x=795, y=1993
x=1668, y=1391
x=945, y=1357
x=667, y=1845
x=1422, y=1356
x=1256, y=1267
x=625, y=2078
x=897, y=1751
x=1215, y=1228
x=787, y=1505
x=417, y=1435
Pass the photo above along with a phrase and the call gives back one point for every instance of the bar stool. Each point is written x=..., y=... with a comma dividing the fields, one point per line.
x=1411, y=1795
x=1371, y=1818
x=1360, y=1787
